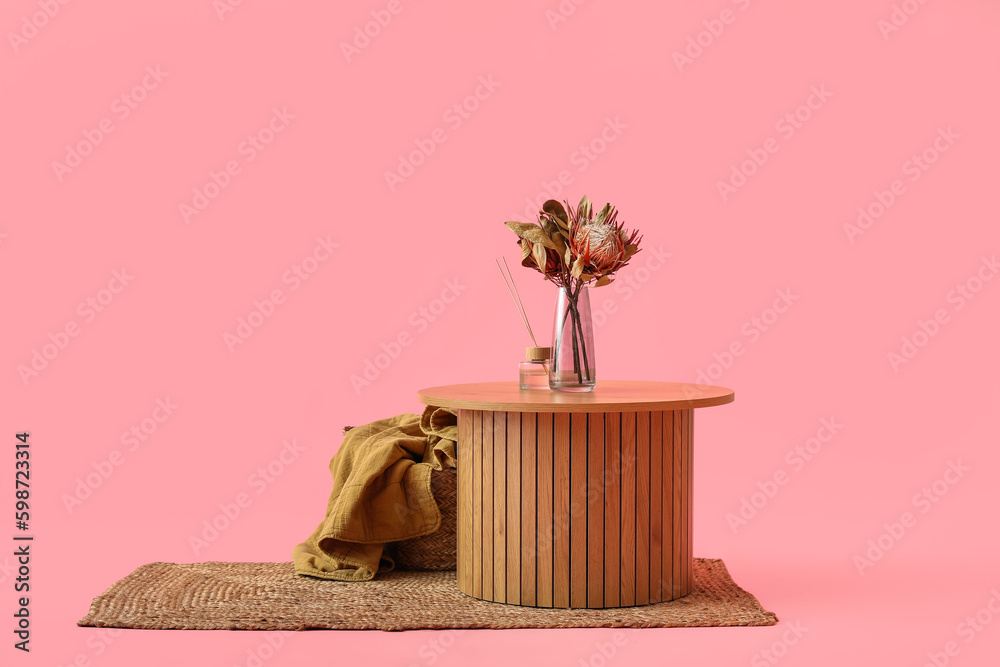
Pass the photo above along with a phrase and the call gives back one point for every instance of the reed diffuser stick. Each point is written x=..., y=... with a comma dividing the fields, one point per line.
x=508, y=280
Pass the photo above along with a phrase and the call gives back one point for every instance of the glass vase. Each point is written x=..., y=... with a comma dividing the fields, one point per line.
x=573, y=366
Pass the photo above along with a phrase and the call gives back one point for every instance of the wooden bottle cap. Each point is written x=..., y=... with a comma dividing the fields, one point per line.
x=536, y=353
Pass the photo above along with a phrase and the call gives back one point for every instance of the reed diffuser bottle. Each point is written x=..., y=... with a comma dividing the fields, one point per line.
x=533, y=372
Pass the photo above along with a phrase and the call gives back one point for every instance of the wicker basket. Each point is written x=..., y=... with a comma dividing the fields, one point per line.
x=435, y=551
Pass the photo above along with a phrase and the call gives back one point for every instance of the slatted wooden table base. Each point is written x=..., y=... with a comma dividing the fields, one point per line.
x=608, y=526
x=581, y=507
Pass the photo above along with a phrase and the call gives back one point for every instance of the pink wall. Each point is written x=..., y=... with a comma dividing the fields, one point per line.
x=225, y=154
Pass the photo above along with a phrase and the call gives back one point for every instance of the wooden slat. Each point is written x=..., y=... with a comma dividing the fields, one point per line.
x=655, y=505
x=669, y=559
x=612, y=509
x=488, y=531
x=463, y=528
x=628, y=509
x=561, y=562
x=689, y=493
x=642, y=508
x=477, y=502
x=529, y=509
x=595, y=511
x=578, y=509
x=545, y=538
x=513, y=508
x=499, y=506
x=676, y=550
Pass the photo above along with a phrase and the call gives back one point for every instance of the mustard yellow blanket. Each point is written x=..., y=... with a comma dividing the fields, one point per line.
x=381, y=493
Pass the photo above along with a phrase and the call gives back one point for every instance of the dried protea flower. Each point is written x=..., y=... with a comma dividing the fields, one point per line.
x=577, y=246
x=599, y=243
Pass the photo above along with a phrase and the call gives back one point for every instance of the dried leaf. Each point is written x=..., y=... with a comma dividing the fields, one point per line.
x=533, y=233
x=568, y=256
x=525, y=249
x=555, y=235
x=518, y=227
x=629, y=251
x=541, y=257
x=585, y=211
x=577, y=269
x=558, y=231
x=556, y=210
x=603, y=214
x=603, y=280
x=586, y=277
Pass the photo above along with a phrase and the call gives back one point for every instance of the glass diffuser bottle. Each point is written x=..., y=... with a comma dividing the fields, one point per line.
x=533, y=372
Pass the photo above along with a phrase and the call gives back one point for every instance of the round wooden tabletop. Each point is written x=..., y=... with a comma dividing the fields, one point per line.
x=607, y=396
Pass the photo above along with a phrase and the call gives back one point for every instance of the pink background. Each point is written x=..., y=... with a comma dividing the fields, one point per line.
x=601, y=97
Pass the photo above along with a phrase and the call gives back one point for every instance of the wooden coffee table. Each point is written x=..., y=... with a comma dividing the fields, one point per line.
x=575, y=500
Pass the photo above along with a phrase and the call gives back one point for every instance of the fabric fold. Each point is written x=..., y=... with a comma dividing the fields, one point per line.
x=381, y=493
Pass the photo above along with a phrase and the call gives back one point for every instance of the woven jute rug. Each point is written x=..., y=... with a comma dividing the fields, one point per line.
x=270, y=596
